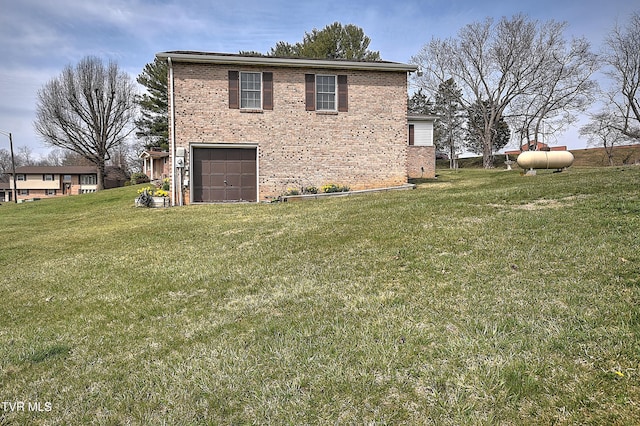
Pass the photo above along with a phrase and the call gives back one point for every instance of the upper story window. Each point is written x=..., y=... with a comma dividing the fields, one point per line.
x=250, y=90
x=67, y=178
x=47, y=177
x=88, y=179
x=326, y=93
x=21, y=177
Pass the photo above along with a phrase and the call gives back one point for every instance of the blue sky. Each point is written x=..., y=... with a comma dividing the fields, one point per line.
x=38, y=38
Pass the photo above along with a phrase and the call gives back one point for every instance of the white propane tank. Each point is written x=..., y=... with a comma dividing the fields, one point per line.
x=545, y=159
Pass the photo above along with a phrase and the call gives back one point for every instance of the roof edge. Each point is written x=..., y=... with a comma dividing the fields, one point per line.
x=232, y=59
x=422, y=117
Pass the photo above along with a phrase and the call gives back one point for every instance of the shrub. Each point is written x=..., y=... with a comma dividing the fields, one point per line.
x=332, y=187
x=137, y=178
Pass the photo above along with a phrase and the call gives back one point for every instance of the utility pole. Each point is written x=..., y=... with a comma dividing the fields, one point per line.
x=13, y=165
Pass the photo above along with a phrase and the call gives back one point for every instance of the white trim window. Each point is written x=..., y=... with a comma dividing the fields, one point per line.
x=88, y=179
x=47, y=177
x=326, y=93
x=250, y=90
x=21, y=177
x=50, y=192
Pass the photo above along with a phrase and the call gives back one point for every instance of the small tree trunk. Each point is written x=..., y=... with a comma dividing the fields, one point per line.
x=100, y=181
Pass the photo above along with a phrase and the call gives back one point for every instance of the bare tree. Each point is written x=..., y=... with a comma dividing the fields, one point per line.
x=5, y=161
x=603, y=130
x=565, y=89
x=495, y=64
x=24, y=157
x=622, y=55
x=88, y=109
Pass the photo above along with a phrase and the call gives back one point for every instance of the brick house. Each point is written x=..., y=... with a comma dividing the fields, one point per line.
x=247, y=128
x=155, y=164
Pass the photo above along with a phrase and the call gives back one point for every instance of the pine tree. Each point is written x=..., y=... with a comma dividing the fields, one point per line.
x=449, y=126
x=334, y=41
x=419, y=103
x=153, y=125
x=500, y=133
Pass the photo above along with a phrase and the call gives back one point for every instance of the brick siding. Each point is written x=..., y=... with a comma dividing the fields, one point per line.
x=363, y=148
x=421, y=162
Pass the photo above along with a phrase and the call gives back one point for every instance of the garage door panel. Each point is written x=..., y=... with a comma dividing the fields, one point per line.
x=248, y=180
x=234, y=154
x=233, y=194
x=234, y=167
x=248, y=154
x=234, y=180
x=216, y=180
x=248, y=167
x=216, y=194
x=248, y=194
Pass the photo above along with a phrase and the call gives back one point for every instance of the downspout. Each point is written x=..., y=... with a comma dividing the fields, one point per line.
x=172, y=131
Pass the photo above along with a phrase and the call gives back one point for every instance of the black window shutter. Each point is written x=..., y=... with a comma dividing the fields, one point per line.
x=310, y=91
x=411, y=134
x=234, y=89
x=267, y=90
x=343, y=94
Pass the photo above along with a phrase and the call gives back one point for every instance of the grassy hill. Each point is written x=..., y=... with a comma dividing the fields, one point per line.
x=482, y=297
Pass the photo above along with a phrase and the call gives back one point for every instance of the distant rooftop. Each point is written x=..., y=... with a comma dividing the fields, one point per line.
x=67, y=170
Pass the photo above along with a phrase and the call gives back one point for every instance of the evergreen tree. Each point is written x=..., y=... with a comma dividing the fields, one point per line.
x=153, y=125
x=419, y=103
x=449, y=126
x=500, y=133
x=335, y=41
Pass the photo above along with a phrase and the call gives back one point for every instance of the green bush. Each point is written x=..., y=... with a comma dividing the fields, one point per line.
x=137, y=178
x=332, y=187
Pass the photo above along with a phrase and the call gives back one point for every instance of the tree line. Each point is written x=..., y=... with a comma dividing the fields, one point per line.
x=494, y=79
x=522, y=78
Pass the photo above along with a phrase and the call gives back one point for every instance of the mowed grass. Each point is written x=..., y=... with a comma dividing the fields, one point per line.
x=482, y=297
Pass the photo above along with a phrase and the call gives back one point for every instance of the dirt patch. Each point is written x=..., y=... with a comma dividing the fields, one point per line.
x=541, y=204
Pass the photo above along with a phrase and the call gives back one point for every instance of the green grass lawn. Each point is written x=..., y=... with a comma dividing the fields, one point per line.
x=482, y=297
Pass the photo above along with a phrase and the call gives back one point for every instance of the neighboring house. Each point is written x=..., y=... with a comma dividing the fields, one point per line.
x=35, y=182
x=155, y=164
x=247, y=128
x=6, y=192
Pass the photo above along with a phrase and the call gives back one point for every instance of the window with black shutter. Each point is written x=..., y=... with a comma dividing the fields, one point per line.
x=326, y=93
x=250, y=90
